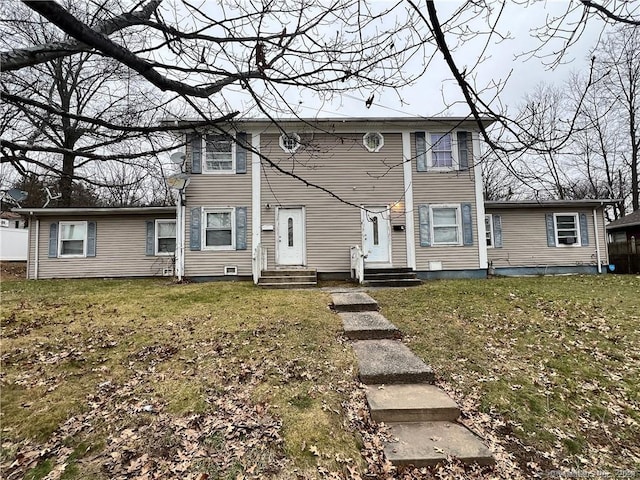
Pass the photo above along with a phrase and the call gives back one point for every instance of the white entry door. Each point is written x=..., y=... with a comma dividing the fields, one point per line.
x=376, y=235
x=290, y=241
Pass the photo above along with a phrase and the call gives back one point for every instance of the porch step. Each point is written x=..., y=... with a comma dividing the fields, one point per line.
x=303, y=278
x=424, y=444
x=354, y=302
x=410, y=403
x=390, y=362
x=390, y=277
x=367, y=326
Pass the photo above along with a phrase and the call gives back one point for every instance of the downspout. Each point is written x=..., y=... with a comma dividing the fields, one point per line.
x=595, y=229
x=37, y=250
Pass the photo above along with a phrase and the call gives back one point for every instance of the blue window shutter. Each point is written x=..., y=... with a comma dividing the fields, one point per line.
x=91, y=239
x=463, y=150
x=584, y=230
x=425, y=227
x=151, y=238
x=497, y=231
x=241, y=228
x=53, y=240
x=421, y=152
x=551, y=232
x=194, y=231
x=195, y=140
x=241, y=153
x=467, y=224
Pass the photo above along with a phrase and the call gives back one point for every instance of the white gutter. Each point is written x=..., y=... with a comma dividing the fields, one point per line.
x=410, y=237
x=37, y=251
x=595, y=229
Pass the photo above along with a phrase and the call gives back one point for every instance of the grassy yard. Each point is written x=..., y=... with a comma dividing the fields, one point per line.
x=146, y=379
x=550, y=365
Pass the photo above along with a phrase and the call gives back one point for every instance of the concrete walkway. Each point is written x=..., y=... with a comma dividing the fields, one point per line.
x=421, y=416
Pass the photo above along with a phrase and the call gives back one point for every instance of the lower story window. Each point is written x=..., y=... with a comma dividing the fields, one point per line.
x=567, y=229
x=446, y=225
x=73, y=236
x=488, y=228
x=218, y=226
x=165, y=237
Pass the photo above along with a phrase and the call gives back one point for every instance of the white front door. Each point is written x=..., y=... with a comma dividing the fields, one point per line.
x=376, y=234
x=290, y=241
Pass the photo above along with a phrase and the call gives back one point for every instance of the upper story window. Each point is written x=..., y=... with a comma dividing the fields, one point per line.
x=441, y=150
x=567, y=229
x=72, y=239
x=165, y=237
x=290, y=142
x=446, y=225
x=219, y=153
x=373, y=141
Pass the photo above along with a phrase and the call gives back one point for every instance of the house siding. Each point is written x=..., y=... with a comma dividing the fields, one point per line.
x=524, y=240
x=437, y=187
x=218, y=191
x=120, y=249
x=341, y=164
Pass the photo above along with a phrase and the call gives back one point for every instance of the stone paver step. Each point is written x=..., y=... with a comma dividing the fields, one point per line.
x=410, y=403
x=353, y=302
x=427, y=443
x=390, y=362
x=367, y=326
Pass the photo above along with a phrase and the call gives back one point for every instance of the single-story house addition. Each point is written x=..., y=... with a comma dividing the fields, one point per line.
x=410, y=197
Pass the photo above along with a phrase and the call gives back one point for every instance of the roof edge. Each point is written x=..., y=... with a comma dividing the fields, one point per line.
x=596, y=202
x=49, y=212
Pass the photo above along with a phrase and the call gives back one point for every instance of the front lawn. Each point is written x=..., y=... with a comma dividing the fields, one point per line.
x=552, y=363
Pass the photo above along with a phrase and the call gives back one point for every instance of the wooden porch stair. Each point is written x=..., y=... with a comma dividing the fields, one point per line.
x=291, y=278
x=390, y=277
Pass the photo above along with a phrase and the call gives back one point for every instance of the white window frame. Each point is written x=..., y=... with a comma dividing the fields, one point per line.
x=576, y=218
x=489, y=230
x=458, y=224
x=289, y=135
x=157, y=237
x=205, y=168
x=370, y=134
x=454, y=151
x=84, y=240
x=207, y=210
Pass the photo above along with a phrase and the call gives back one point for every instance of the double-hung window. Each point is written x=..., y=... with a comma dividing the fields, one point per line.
x=73, y=239
x=165, y=237
x=442, y=151
x=488, y=228
x=219, y=154
x=567, y=229
x=219, y=227
x=446, y=225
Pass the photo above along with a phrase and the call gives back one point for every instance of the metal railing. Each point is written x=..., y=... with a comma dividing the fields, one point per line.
x=357, y=263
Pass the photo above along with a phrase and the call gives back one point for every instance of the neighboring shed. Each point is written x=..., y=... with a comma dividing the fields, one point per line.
x=624, y=243
x=546, y=237
x=100, y=242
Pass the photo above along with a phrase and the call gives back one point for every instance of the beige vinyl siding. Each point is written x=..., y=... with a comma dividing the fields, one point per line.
x=524, y=240
x=437, y=187
x=120, y=250
x=340, y=164
x=31, y=255
x=218, y=191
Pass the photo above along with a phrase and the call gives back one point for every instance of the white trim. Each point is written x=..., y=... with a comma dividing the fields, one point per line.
x=84, y=240
x=304, y=235
x=483, y=258
x=156, y=237
x=292, y=135
x=410, y=238
x=256, y=210
x=595, y=231
x=203, y=160
x=379, y=147
x=203, y=228
x=37, y=249
x=458, y=225
x=576, y=217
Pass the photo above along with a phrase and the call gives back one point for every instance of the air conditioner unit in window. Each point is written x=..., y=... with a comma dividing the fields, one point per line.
x=568, y=240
